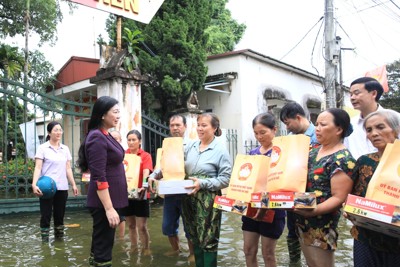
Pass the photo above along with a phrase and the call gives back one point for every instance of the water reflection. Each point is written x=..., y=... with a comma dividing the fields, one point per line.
x=21, y=245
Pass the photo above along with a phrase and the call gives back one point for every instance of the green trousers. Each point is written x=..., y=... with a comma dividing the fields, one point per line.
x=204, y=258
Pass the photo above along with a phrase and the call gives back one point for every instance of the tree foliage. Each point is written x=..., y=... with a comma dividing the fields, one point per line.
x=12, y=110
x=11, y=61
x=391, y=99
x=11, y=119
x=175, y=48
x=224, y=32
x=44, y=17
x=132, y=40
x=40, y=71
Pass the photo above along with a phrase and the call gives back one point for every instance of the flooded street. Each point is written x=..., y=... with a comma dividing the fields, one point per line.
x=21, y=244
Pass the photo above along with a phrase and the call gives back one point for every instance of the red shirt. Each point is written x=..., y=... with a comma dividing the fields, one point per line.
x=146, y=163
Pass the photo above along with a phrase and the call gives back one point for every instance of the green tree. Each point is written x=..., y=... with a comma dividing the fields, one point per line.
x=176, y=44
x=41, y=72
x=391, y=99
x=176, y=37
x=224, y=32
x=12, y=110
x=44, y=17
x=11, y=62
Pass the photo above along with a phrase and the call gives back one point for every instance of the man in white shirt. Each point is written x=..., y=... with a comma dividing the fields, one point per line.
x=365, y=93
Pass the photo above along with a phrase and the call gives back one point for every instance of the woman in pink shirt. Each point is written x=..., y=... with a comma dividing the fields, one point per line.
x=53, y=159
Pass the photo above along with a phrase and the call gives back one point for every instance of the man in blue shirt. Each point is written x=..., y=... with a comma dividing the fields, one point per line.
x=294, y=117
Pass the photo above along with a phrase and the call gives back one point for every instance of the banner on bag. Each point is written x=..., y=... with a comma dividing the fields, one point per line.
x=249, y=175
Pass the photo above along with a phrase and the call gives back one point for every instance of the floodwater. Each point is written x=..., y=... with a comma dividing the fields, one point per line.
x=21, y=244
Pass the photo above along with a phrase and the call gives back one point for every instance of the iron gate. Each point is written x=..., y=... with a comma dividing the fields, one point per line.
x=25, y=113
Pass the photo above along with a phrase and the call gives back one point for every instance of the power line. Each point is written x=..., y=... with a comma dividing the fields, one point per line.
x=394, y=4
x=387, y=11
x=348, y=36
x=301, y=38
x=312, y=57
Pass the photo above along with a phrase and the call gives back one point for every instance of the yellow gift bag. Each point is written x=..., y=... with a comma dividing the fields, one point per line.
x=132, y=171
x=249, y=175
x=288, y=166
x=385, y=182
x=158, y=159
x=172, y=160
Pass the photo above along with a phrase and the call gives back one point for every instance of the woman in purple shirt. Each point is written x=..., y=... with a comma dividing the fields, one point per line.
x=53, y=159
x=253, y=228
x=102, y=156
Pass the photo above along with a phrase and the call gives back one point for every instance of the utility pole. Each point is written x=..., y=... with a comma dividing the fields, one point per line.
x=331, y=56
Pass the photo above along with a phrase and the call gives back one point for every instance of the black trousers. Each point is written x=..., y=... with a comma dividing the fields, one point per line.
x=55, y=206
x=102, y=236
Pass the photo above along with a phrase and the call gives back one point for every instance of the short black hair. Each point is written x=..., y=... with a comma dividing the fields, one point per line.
x=175, y=116
x=291, y=110
x=266, y=119
x=370, y=85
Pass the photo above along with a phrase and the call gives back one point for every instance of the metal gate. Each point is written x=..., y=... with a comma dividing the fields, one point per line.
x=25, y=113
x=153, y=133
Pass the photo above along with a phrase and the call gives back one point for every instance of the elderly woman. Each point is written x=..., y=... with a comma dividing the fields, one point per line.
x=372, y=248
x=329, y=176
x=207, y=163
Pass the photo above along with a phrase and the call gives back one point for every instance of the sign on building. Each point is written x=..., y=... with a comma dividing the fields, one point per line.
x=139, y=10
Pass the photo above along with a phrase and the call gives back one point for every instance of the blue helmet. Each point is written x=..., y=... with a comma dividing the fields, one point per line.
x=48, y=187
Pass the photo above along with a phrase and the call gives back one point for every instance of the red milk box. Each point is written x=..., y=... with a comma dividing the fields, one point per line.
x=284, y=200
x=240, y=207
x=373, y=215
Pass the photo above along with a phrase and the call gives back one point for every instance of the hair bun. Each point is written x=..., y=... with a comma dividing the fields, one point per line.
x=349, y=130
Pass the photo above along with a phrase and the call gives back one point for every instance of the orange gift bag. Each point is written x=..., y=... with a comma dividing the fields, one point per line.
x=172, y=159
x=288, y=166
x=158, y=159
x=249, y=175
x=132, y=171
x=385, y=182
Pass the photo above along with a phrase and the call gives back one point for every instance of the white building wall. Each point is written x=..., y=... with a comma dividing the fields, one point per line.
x=237, y=109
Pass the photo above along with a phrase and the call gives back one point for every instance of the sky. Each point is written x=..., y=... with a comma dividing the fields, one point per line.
x=286, y=30
x=275, y=29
